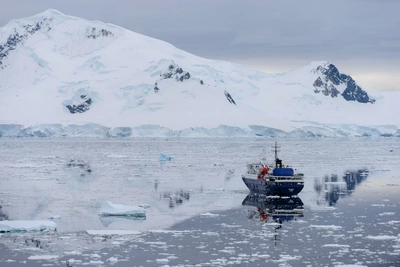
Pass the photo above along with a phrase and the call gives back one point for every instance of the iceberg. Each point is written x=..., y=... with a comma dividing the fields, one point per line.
x=164, y=157
x=27, y=226
x=111, y=209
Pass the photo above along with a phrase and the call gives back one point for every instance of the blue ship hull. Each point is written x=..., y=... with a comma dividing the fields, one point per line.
x=273, y=188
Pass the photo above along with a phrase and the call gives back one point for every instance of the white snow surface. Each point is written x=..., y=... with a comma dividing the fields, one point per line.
x=68, y=60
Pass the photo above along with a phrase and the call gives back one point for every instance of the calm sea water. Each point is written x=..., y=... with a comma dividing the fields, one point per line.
x=198, y=212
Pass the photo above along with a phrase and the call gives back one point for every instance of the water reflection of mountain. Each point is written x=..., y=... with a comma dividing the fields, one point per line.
x=280, y=209
x=3, y=216
x=331, y=188
x=177, y=198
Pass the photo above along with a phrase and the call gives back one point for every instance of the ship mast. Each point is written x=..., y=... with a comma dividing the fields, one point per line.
x=276, y=149
x=278, y=162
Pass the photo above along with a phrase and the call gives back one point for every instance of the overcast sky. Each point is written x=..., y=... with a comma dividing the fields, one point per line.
x=360, y=37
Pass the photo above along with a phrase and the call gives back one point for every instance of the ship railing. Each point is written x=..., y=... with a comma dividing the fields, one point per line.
x=283, y=212
x=300, y=178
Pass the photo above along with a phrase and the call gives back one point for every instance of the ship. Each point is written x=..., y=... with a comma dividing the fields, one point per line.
x=277, y=180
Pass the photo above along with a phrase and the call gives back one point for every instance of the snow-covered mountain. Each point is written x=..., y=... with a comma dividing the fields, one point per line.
x=62, y=75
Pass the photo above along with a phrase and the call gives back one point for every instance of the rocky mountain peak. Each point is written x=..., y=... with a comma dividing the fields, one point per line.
x=331, y=82
x=18, y=32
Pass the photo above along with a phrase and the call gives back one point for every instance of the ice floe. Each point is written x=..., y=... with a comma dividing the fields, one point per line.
x=386, y=213
x=112, y=260
x=42, y=257
x=111, y=209
x=112, y=232
x=381, y=237
x=209, y=214
x=329, y=227
x=336, y=245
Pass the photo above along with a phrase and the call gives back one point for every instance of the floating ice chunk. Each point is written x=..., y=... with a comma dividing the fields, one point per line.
x=112, y=259
x=330, y=227
x=110, y=209
x=171, y=231
x=229, y=250
x=336, y=246
x=386, y=213
x=208, y=214
x=284, y=258
x=75, y=252
x=112, y=232
x=72, y=261
x=42, y=257
x=224, y=225
x=351, y=265
x=381, y=237
x=164, y=157
x=96, y=262
x=162, y=260
x=27, y=226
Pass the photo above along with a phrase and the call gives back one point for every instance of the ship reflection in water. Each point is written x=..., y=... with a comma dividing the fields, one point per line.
x=274, y=208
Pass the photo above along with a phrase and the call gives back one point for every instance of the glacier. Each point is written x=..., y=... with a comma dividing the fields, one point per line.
x=27, y=226
x=311, y=129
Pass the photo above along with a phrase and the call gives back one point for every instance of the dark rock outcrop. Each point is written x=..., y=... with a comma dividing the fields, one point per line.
x=330, y=78
x=173, y=71
x=82, y=107
x=17, y=38
x=92, y=32
x=229, y=97
x=353, y=92
x=45, y=25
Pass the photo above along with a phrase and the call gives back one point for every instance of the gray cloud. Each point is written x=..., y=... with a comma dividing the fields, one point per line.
x=270, y=35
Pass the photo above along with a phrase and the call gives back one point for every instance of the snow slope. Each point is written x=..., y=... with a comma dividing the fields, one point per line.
x=60, y=74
